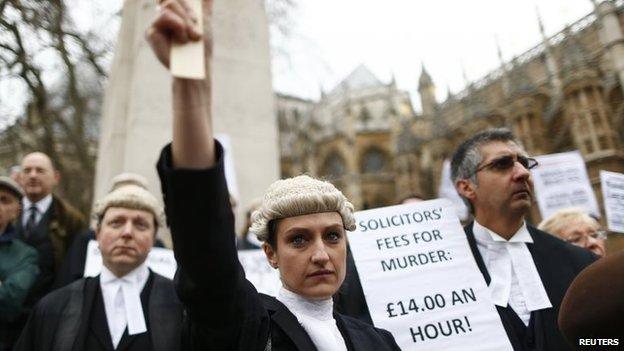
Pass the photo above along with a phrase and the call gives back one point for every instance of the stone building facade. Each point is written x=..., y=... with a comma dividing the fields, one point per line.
x=350, y=137
x=566, y=93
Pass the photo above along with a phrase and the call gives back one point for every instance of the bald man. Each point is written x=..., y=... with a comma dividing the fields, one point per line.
x=47, y=223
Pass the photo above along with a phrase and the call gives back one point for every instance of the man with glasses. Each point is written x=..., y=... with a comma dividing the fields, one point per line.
x=578, y=228
x=527, y=270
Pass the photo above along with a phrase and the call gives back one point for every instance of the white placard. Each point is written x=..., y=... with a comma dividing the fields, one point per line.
x=613, y=195
x=421, y=281
x=561, y=181
x=447, y=190
x=259, y=272
x=159, y=260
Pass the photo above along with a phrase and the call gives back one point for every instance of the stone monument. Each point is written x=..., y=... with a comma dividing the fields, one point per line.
x=136, y=115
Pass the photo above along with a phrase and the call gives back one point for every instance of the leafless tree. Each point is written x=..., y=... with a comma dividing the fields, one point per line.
x=281, y=19
x=61, y=71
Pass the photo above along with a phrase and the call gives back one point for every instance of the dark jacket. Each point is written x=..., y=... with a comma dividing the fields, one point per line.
x=557, y=263
x=52, y=237
x=225, y=311
x=60, y=321
x=18, y=272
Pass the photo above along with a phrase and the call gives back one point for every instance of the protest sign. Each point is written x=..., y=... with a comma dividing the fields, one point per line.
x=159, y=260
x=447, y=191
x=421, y=281
x=561, y=181
x=259, y=272
x=613, y=195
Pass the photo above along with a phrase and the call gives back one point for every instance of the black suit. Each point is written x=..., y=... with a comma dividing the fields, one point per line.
x=557, y=263
x=51, y=237
x=225, y=311
x=73, y=319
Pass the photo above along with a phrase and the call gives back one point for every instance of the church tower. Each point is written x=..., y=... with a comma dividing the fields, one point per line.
x=611, y=35
x=552, y=68
x=426, y=89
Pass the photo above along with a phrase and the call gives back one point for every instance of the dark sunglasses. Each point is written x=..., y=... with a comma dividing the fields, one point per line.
x=507, y=162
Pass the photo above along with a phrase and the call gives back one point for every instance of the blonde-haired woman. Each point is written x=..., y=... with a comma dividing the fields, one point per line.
x=578, y=228
x=302, y=222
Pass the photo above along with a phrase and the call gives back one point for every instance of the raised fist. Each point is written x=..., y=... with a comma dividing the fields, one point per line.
x=176, y=22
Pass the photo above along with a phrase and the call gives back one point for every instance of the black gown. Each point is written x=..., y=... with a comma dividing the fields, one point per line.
x=73, y=319
x=225, y=312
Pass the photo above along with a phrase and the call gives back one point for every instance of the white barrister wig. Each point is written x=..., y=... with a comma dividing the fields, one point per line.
x=299, y=196
x=128, y=178
x=130, y=196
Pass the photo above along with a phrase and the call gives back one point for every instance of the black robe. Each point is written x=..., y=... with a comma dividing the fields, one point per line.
x=225, y=311
x=63, y=320
x=557, y=263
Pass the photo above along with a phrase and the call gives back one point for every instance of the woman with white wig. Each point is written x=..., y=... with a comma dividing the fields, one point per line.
x=302, y=222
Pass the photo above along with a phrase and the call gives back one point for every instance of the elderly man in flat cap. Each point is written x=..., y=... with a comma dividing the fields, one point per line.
x=18, y=265
x=127, y=306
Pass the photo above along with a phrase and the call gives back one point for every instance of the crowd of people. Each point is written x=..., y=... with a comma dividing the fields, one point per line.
x=300, y=224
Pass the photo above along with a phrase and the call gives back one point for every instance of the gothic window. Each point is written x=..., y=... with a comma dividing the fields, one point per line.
x=583, y=124
x=281, y=119
x=365, y=115
x=588, y=146
x=296, y=115
x=334, y=165
x=373, y=161
x=591, y=127
x=603, y=142
x=596, y=119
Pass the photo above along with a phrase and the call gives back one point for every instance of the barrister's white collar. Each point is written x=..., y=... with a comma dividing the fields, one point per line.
x=507, y=257
x=122, y=301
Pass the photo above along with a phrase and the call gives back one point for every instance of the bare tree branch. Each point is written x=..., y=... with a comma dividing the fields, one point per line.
x=61, y=70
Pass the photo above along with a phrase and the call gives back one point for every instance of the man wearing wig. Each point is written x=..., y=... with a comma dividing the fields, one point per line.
x=302, y=222
x=126, y=307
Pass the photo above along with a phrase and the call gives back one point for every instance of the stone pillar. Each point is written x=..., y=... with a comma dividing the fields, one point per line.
x=611, y=36
x=136, y=116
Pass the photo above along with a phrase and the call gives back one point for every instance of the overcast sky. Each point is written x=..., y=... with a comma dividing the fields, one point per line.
x=331, y=38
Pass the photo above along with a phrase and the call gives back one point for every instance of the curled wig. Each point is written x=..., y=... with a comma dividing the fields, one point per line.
x=132, y=197
x=299, y=196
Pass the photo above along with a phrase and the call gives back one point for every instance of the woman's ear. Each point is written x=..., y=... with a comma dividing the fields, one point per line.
x=271, y=255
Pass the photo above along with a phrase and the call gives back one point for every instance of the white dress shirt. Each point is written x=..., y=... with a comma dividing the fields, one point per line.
x=42, y=207
x=317, y=319
x=514, y=277
x=122, y=301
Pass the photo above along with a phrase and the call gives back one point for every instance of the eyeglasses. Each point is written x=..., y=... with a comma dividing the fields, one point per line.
x=582, y=239
x=504, y=163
